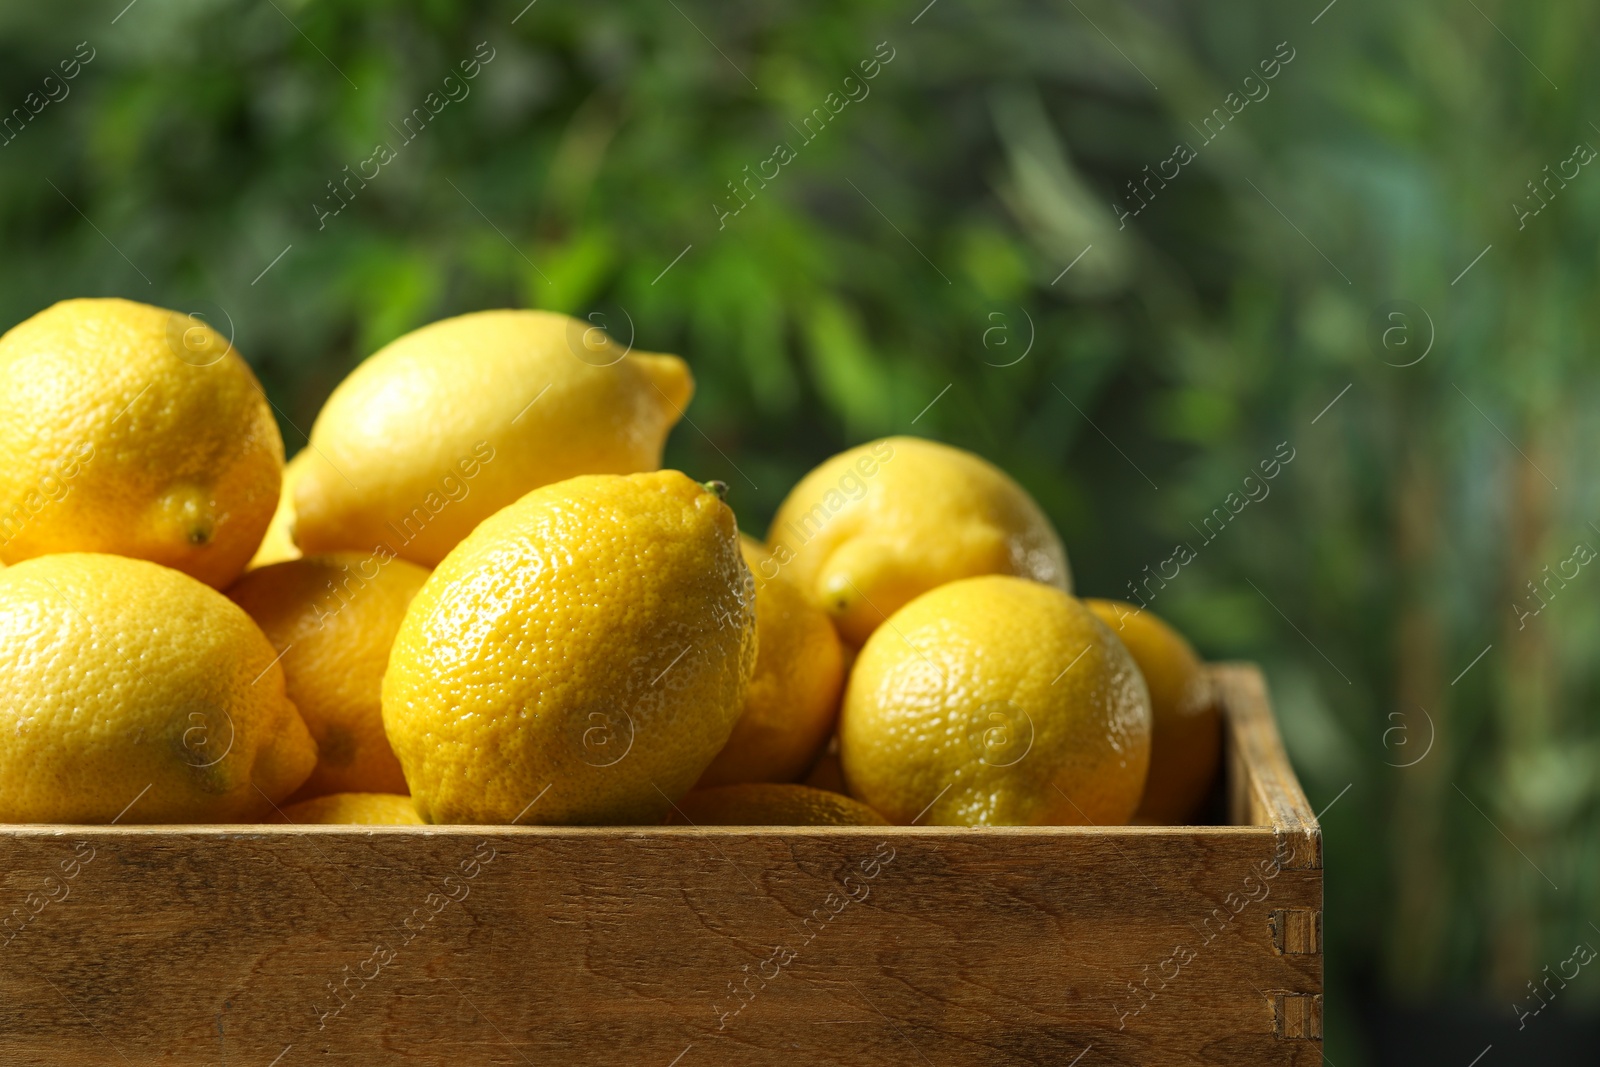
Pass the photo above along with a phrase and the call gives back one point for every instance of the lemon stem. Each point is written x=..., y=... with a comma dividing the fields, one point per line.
x=719, y=488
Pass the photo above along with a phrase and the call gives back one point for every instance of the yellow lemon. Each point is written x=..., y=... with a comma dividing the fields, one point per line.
x=278, y=543
x=996, y=701
x=130, y=429
x=580, y=658
x=873, y=528
x=450, y=423
x=1186, y=736
x=333, y=618
x=771, y=804
x=354, y=809
x=794, y=695
x=128, y=689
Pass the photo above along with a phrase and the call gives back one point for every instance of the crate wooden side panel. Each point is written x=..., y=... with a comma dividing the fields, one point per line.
x=981, y=947
x=667, y=946
x=1262, y=787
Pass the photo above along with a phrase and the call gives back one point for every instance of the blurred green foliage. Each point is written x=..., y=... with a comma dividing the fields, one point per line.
x=891, y=277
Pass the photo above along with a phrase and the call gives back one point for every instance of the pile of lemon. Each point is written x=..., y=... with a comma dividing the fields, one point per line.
x=473, y=597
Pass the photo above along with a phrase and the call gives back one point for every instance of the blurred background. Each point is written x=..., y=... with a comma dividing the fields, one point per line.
x=1129, y=252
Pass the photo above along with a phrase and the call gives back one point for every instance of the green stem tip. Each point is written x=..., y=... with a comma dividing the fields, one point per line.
x=719, y=488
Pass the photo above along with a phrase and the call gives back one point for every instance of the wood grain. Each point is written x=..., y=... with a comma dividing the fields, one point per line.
x=849, y=945
x=1262, y=787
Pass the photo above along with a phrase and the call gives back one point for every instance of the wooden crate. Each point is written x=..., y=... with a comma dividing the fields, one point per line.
x=678, y=947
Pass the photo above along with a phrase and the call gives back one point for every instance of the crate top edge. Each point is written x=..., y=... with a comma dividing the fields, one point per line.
x=37, y=831
x=1252, y=729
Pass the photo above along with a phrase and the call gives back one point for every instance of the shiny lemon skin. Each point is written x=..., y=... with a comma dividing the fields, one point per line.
x=130, y=692
x=1186, y=733
x=333, y=619
x=133, y=430
x=793, y=700
x=874, y=527
x=354, y=809
x=579, y=659
x=771, y=804
x=277, y=544
x=452, y=422
x=996, y=701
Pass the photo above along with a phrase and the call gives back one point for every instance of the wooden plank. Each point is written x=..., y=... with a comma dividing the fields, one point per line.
x=1262, y=787
x=681, y=946
x=1297, y=931
x=599, y=946
x=1297, y=1015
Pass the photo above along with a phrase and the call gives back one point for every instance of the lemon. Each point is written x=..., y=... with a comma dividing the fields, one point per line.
x=128, y=688
x=876, y=526
x=130, y=429
x=771, y=804
x=333, y=618
x=354, y=809
x=278, y=543
x=1186, y=728
x=793, y=698
x=452, y=422
x=996, y=701
x=580, y=658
